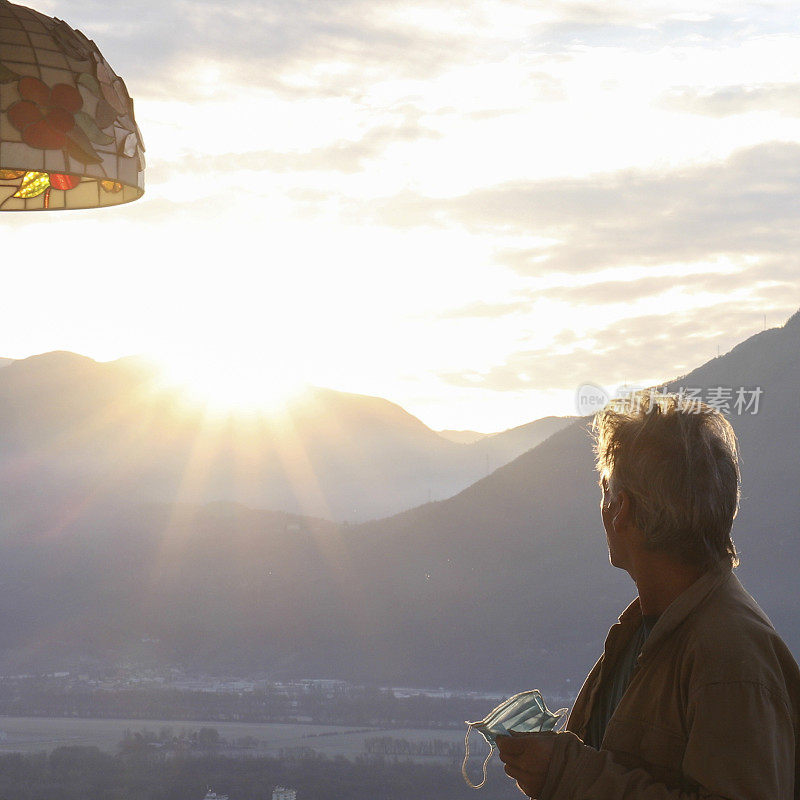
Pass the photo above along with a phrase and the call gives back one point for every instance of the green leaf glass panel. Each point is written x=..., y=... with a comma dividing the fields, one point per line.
x=105, y=114
x=79, y=147
x=90, y=82
x=7, y=75
x=90, y=128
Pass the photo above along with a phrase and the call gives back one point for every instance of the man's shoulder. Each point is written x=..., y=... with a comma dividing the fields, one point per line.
x=730, y=638
x=734, y=611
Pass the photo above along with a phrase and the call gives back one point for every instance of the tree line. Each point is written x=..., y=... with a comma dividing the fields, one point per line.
x=78, y=773
x=353, y=706
x=391, y=746
x=168, y=743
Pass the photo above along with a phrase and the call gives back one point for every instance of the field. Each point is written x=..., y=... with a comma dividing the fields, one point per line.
x=32, y=734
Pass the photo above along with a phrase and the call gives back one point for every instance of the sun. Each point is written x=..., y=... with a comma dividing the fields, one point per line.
x=224, y=385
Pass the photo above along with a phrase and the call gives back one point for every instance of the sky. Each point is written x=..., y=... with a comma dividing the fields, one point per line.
x=470, y=209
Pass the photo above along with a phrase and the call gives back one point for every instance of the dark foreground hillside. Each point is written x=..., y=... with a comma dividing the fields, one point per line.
x=78, y=773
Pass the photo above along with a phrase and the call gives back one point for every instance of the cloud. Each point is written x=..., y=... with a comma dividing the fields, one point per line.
x=731, y=100
x=745, y=205
x=654, y=346
x=268, y=43
x=347, y=156
x=771, y=282
x=598, y=293
x=652, y=26
x=480, y=309
x=607, y=292
x=302, y=48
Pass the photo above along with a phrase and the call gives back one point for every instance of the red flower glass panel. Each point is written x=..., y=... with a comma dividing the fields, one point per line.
x=64, y=182
x=44, y=116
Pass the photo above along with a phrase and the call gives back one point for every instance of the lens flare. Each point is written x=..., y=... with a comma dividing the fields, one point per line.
x=229, y=385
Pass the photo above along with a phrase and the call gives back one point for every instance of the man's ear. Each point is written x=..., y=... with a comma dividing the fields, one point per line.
x=624, y=513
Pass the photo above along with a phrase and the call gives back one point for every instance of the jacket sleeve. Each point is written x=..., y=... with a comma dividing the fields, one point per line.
x=741, y=746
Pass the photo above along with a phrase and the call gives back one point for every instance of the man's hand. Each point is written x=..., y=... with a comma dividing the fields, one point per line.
x=527, y=758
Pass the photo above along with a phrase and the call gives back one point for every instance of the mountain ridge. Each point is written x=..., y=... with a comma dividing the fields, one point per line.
x=330, y=453
x=504, y=584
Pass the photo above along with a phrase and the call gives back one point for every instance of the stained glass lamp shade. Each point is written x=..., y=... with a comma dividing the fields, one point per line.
x=68, y=138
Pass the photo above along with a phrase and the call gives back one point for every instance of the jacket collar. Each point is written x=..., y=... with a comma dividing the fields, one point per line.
x=680, y=608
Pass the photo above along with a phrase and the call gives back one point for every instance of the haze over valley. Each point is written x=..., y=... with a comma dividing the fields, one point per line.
x=120, y=538
x=69, y=424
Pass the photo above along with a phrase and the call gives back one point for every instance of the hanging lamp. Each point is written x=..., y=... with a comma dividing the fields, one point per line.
x=68, y=137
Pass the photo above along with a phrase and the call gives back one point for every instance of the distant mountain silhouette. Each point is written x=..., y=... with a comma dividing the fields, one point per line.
x=463, y=437
x=500, y=448
x=70, y=426
x=505, y=585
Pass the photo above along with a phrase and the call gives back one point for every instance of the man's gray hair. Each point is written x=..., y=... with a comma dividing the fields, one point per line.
x=678, y=462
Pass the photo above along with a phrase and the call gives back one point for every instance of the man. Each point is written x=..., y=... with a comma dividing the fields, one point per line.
x=695, y=695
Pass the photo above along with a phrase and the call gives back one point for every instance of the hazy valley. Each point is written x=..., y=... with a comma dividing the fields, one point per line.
x=108, y=555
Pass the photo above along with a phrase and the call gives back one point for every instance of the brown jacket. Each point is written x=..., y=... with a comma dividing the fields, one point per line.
x=711, y=711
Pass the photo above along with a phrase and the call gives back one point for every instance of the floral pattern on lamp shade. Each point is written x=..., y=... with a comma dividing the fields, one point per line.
x=68, y=136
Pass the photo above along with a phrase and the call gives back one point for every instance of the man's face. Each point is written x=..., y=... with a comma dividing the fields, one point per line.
x=608, y=510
